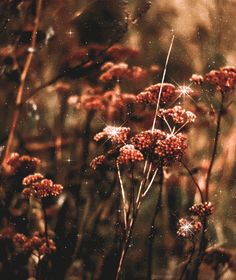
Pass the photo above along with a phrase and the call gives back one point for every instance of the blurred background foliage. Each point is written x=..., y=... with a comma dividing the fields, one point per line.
x=85, y=218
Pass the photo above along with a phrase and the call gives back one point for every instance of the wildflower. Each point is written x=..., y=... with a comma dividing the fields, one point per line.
x=29, y=180
x=115, y=71
x=188, y=229
x=23, y=164
x=38, y=186
x=151, y=93
x=224, y=79
x=171, y=148
x=19, y=239
x=178, y=114
x=97, y=161
x=117, y=135
x=128, y=154
x=197, y=79
x=202, y=209
x=47, y=248
x=120, y=52
x=147, y=139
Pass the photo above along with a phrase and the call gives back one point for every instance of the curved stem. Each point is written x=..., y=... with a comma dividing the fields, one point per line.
x=194, y=181
x=214, y=151
x=188, y=262
x=20, y=91
x=152, y=232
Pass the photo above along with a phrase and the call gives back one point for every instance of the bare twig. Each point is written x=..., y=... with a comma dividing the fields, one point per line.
x=20, y=91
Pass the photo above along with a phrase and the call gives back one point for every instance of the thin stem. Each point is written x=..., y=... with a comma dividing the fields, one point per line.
x=20, y=91
x=150, y=184
x=45, y=222
x=194, y=181
x=152, y=231
x=216, y=139
x=188, y=262
x=162, y=82
x=122, y=194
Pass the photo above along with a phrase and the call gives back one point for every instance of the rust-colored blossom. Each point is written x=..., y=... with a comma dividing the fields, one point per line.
x=202, y=209
x=120, y=52
x=171, y=148
x=38, y=186
x=97, y=161
x=188, y=228
x=23, y=164
x=117, y=135
x=128, y=154
x=178, y=115
x=151, y=93
x=197, y=79
x=224, y=79
x=147, y=139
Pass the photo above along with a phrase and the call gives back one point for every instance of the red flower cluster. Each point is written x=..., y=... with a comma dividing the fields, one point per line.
x=39, y=187
x=35, y=243
x=97, y=161
x=117, y=135
x=94, y=99
x=121, y=71
x=178, y=115
x=23, y=164
x=202, y=209
x=128, y=154
x=171, y=148
x=150, y=94
x=224, y=78
x=197, y=79
x=188, y=229
x=146, y=140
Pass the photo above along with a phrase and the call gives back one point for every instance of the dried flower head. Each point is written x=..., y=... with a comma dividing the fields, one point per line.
x=97, y=161
x=115, y=71
x=150, y=94
x=120, y=52
x=197, y=79
x=23, y=164
x=188, y=228
x=117, y=135
x=224, y=79
x=19, y=239
x=128, y=154
x=202, y=209
x=171, y=148
x=146, y=140
x=39, y=187
x=178, y=115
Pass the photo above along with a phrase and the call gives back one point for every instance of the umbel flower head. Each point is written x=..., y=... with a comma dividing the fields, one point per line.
x=97, y=161
x=151, y=93
x=224, y=79
x=23, y=164
x=171, y=148
x=117, y=135
x=35, y=243
x=202, y=209
x=128, y=154
x=188, y=228
x=178, y=115
x=146, y=140
x=36, y=185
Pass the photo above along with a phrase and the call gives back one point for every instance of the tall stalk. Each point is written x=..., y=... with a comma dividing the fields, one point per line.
x=152, y=232
x=20, y=91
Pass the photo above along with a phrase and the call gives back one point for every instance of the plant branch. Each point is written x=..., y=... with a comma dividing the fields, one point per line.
x=20, y=91
x=216, y=139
